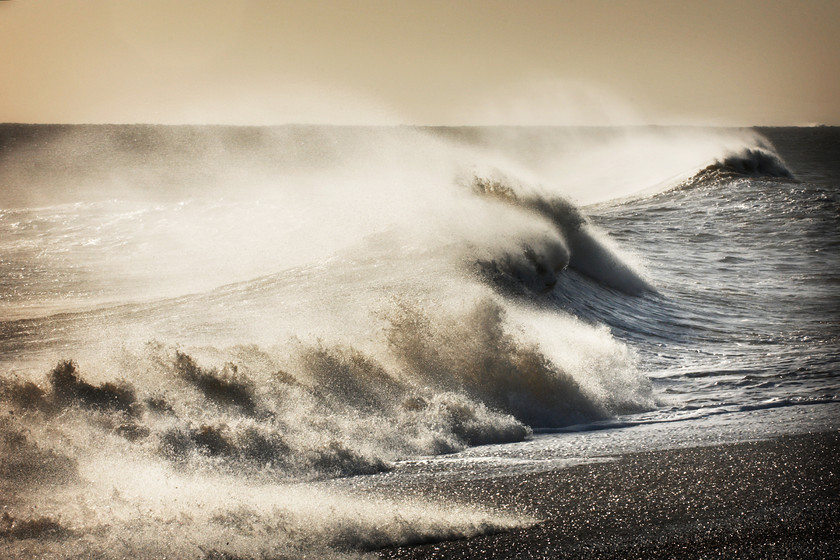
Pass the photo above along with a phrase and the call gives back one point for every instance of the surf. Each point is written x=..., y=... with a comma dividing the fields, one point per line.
x=346, y=299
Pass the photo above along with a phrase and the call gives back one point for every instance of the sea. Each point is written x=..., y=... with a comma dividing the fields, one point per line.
x=214, y=338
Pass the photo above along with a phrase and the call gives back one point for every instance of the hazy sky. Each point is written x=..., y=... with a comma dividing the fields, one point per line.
x=420, y=62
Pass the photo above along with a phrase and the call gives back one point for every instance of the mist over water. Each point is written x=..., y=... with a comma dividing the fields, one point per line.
x=140, y=212
x=200, y=325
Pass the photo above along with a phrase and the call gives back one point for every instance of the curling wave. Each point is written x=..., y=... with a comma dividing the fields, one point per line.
x=578, y=246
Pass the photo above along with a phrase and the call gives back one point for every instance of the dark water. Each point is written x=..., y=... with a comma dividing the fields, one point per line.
x=199, y=324
x=747, y=272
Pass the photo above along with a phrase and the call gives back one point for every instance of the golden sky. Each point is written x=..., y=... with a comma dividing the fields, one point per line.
x=420, y=62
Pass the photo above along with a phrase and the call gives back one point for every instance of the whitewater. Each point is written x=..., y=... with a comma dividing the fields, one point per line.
x=216, y=342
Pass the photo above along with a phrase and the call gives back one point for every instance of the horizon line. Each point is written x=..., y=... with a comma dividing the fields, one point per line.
x=405, y=125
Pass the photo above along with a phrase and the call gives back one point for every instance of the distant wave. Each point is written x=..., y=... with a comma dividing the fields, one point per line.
x=754, y=162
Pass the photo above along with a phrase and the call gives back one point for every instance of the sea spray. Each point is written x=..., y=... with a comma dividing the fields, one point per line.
x=149, y=456
x=442, y=378
x=187, y=365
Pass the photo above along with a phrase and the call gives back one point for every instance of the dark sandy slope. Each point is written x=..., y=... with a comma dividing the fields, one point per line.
x=769, y=499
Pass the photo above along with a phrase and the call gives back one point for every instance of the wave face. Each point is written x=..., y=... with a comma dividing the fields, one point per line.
x=201, y=325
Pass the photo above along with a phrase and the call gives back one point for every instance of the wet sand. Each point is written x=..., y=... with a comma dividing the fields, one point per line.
x=769, y=499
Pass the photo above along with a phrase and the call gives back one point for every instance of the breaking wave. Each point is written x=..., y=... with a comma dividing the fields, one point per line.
x=443, y=381
x=224, y=358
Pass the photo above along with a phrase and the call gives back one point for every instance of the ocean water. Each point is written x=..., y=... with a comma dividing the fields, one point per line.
x=209, y=336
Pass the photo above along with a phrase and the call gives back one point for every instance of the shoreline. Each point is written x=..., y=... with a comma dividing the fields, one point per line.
x=776, y=498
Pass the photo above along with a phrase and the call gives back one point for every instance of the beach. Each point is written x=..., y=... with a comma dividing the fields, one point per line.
x=778, y=498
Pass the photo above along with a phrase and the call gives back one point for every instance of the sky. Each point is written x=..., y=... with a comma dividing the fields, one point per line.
x=423, y=62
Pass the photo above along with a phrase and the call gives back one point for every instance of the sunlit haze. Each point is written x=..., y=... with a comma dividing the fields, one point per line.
x=420, y=62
